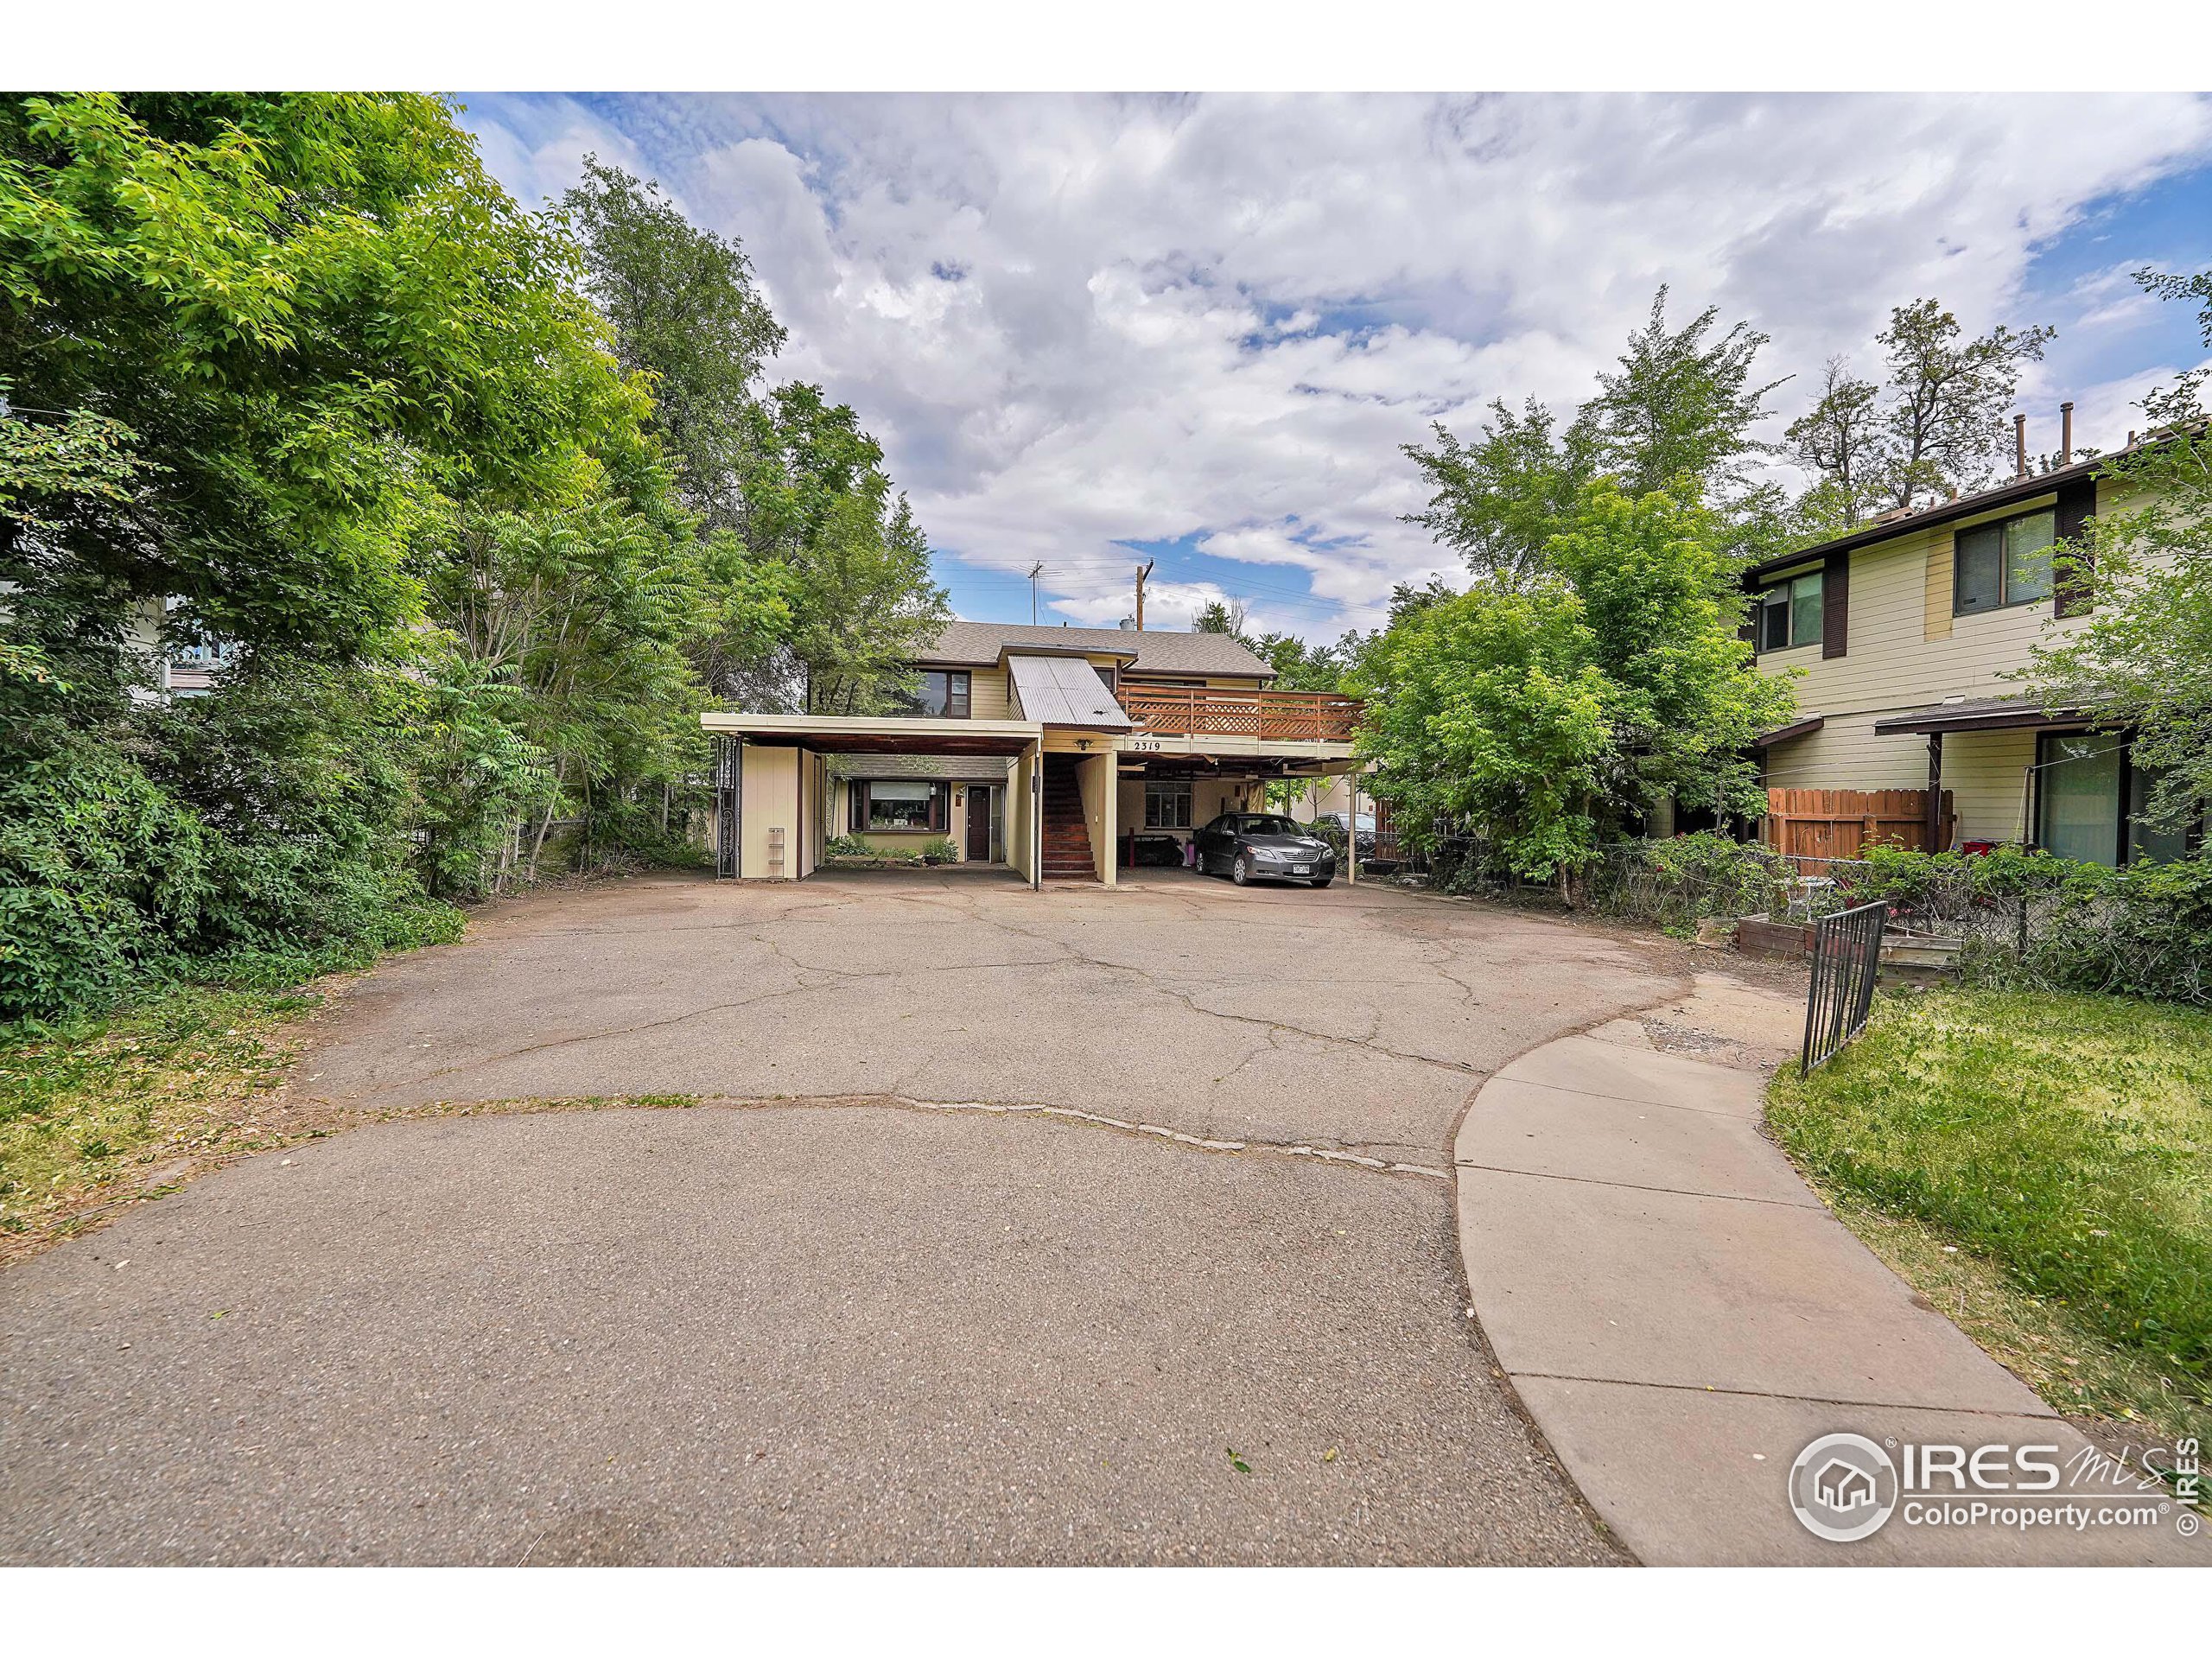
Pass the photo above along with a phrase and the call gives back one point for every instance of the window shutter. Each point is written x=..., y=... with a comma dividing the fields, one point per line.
x=1835, y=604
x=859, y=807
x=1748, y=630
x=2072, y=588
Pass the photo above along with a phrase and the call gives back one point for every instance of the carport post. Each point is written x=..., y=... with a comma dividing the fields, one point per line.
x=1037, y=815
x=1352, y=832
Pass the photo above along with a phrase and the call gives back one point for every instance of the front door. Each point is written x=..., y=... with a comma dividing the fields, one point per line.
x=979, y=823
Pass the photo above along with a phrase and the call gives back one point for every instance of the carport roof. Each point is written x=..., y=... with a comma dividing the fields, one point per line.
x=878, y=734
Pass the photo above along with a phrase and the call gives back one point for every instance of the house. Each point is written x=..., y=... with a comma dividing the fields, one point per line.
x=1048, y=751
x=1905, y=631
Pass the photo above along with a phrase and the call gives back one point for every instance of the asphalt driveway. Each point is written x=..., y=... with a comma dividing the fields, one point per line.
x=867, y=1303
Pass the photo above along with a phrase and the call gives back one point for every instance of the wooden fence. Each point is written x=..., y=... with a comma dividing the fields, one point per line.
x=1843, y=822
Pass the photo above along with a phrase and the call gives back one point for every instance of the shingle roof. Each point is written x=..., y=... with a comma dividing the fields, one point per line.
x=1155, y=650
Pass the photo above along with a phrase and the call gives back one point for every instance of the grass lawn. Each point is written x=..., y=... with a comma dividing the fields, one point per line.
x=119, y=1110
x=2039, y=1167
x=99, y=1111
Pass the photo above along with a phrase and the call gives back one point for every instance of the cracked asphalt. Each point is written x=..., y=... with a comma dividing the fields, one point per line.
x=802, y=1323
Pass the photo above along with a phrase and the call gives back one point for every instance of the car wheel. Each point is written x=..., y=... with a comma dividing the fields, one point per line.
x=1324, y=881
x=1240, y=871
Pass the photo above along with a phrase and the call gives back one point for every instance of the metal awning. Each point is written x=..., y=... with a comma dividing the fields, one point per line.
x=1804, y=727
x=878, y=734
x=1065, y=691
x=1984, y=714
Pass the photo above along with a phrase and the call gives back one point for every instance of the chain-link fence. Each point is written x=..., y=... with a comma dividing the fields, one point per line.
x=2008, y=917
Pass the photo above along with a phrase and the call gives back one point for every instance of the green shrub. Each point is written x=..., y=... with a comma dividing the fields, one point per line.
x=103, y=873
x=2143, y=930
x=940, y=849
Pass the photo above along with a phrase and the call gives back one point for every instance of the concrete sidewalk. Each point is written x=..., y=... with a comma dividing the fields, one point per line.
x=1682, y=1315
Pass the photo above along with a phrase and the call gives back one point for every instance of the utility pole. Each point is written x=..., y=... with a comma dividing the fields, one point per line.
x=1035, y=571
x=1143, y=570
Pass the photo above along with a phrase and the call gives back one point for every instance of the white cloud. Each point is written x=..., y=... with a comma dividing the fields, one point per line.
x=1079, y=321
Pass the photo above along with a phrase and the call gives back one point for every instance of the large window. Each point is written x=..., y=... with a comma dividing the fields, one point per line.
x=1168, y=803
x=2008, y=562
x=901, y=803
x=2093, y=802
x=942, y=695
x=1789, y=612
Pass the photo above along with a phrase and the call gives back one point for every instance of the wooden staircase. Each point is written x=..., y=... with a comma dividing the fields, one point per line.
x=1067, y=840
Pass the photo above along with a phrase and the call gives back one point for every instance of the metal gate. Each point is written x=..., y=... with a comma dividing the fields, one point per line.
x=1847, y=952
x=726, y=807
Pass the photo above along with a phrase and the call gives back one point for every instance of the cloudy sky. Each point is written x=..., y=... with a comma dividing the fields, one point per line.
x=1092, y=330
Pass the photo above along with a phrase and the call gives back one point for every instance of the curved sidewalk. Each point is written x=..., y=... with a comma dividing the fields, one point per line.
x=1682, y=1315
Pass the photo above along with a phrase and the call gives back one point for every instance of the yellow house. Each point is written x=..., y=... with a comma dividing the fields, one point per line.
x=1060, y=753
x=1904, y=631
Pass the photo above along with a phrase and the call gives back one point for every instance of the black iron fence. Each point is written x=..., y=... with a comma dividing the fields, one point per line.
x=1846, y=955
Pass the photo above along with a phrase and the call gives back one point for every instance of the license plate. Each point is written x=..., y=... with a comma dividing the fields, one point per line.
x=1301, y=869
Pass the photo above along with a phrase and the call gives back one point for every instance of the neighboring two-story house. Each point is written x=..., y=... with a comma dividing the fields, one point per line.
x=1905, y=629
x=1042, y=749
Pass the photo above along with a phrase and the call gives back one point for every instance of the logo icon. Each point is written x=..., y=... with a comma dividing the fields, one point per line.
x=1843, y=1488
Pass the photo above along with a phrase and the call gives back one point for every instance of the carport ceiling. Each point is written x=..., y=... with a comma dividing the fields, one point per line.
x=862, y=743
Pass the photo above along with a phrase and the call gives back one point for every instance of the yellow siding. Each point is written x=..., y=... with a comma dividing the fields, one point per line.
x=768, y=801
x=1906, y=651
x=1094, y=780
x=1987, y=773
x=987, y=694
x=1936, y=600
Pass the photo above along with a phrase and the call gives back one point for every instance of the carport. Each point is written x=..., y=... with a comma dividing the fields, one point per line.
x=772, y=782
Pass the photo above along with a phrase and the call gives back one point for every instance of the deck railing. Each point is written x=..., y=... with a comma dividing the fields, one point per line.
x=1283, y=716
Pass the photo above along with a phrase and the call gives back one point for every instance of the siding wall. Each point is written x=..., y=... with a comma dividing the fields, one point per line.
x=1907, y=651
x=769, y=799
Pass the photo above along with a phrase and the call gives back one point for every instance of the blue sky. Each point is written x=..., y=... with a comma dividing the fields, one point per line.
x=1091, y=330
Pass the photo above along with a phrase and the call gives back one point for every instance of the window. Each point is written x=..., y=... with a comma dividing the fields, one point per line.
x=1789, y=612
x=901, y=803
x=2008, y=562
x=1167, y=804
x=942, y=695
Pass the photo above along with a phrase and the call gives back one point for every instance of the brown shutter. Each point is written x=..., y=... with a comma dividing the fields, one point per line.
x=2073, y=589
x=1835, y=605
x=1748, y=630
x=860, y=807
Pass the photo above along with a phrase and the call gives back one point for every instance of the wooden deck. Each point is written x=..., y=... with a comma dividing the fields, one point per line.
x=1282, y=716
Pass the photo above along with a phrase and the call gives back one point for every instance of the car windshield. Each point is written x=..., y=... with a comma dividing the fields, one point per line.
x=1261, y=824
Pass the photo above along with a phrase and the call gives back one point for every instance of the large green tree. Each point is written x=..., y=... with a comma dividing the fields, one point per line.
x=1677, y=411
x=1545, y=717
x=688, y=315
x=1938, y=422
x=264, y=353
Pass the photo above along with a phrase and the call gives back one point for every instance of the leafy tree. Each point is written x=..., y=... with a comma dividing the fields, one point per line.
x=1938, y=422
x=1682, y=407
x=260, y=350
x=1221, y=616
x=1838, y=440
x=315, y=316
x=1301, y=667
x=1545, y=717
x=865, y=605
x=2143, y=657
x=1498, y=501
x=686, y=314
x=1676, y=413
